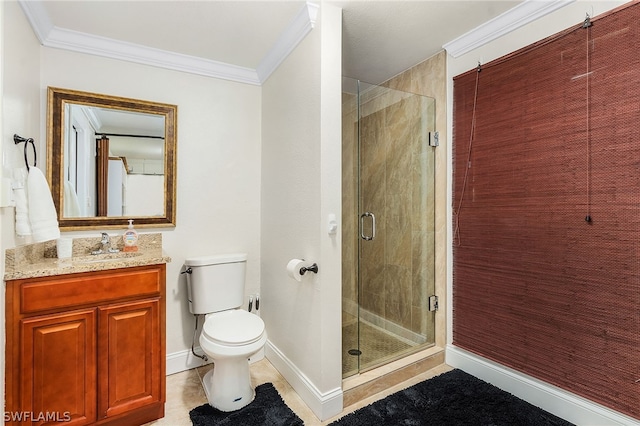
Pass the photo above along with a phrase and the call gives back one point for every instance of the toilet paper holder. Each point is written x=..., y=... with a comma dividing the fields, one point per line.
x=313, y=268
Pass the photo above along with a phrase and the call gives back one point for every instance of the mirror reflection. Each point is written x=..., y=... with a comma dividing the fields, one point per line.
x=130, y=146
x=111, y=159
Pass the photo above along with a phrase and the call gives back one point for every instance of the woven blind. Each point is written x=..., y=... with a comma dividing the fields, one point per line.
x=553, y=140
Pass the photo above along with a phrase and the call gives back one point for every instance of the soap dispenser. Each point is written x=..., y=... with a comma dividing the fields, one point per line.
x=130, y=238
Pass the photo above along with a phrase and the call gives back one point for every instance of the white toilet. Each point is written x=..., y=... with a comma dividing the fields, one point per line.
x=230, y=335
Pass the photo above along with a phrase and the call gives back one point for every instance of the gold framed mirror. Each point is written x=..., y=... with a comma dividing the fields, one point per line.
x=111, y=159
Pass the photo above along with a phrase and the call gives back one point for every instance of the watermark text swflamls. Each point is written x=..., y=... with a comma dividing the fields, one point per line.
x=41, y=416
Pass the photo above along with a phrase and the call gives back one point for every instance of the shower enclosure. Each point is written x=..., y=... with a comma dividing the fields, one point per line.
x=388, y=225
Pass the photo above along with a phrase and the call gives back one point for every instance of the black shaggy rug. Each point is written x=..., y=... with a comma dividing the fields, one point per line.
x=267, y=409
x=450, y=399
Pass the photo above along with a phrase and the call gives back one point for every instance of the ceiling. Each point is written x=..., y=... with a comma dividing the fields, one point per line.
x=380, y=38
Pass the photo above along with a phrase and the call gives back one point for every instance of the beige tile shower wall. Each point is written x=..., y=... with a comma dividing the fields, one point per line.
x=349, y=202
x=429, y=79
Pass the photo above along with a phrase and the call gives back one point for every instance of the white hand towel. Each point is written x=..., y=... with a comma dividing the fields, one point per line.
x=70, y=201
x=42, y=212
x=23, y=227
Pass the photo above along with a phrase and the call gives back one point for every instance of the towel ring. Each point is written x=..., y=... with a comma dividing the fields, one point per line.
x=18, y=139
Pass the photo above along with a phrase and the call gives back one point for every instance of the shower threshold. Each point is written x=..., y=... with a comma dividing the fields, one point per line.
x=367, y=383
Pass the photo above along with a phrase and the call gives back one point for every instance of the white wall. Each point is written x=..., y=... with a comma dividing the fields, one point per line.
x=20, y=113
x=20, y=102
x=300, y=186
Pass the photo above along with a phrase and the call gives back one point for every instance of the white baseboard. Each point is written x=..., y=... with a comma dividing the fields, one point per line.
x=185, y=360
x=557, y=401
x=182, y=361
x=323, y=405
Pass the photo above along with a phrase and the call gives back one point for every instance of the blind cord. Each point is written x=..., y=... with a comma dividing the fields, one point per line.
x=587, y=25
x=456, y=212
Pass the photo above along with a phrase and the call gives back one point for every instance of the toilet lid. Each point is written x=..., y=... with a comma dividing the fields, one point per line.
x=235, y=327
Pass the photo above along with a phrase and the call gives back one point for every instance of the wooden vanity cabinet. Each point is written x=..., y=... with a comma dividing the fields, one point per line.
x=87, y=348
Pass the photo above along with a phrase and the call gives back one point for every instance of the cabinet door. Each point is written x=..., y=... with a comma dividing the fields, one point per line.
x=58, y=367
x=129, y=351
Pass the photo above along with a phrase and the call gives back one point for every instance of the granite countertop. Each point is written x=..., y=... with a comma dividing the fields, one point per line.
x=40, y=259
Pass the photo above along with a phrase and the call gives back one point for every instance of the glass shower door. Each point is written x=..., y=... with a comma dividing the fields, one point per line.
x=392, y=214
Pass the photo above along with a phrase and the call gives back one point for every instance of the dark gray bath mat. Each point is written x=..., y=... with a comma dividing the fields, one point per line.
x=267, y=409
x=454, y=398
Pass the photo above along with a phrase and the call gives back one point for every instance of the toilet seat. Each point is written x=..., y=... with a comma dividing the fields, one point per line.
x=233, y=328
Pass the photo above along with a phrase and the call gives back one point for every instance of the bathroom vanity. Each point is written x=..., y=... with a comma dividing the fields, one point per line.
x=86, y=340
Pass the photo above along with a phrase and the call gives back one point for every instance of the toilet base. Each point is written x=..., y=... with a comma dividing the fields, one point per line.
x=228, y=384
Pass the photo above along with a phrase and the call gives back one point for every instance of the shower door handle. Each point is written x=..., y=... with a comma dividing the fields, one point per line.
x=373, y=226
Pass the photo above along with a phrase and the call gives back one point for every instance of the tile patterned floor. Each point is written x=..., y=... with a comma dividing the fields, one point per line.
x=184, y=392
x=377, y=347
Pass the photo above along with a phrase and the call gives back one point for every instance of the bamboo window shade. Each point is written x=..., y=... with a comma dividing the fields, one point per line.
x=546, y=210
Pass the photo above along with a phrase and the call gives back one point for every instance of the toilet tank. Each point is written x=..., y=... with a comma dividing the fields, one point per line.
x=215, y=283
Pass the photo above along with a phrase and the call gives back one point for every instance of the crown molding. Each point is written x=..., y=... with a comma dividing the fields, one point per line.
x=38, y=18
x=519, y=16
x=295, y=32
x=61, y=38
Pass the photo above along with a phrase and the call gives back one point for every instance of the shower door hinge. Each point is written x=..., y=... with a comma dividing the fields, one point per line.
x=434, y=138
x=433, y=303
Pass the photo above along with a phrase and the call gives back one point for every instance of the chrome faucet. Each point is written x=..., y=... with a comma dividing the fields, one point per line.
x=105, y=247
x=106, y=242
